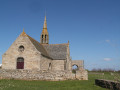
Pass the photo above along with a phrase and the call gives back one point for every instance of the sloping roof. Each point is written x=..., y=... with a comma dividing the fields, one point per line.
x=53, y=51
x=56, y=51
x=39, y=46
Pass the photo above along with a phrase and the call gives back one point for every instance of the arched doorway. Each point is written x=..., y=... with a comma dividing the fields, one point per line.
x=74, y=68
x=20, y=63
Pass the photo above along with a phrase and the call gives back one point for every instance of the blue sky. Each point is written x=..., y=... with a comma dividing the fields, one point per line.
x=91, y=26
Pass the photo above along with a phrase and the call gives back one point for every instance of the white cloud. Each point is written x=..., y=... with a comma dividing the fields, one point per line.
x=107, y=59
x=104, y=41
x=107, y=41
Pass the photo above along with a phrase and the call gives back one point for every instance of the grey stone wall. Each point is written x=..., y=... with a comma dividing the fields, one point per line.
x=79, y=63
x=30, y=54
x=45, y=63
x=68, y=60
x=82, y=75
x=58, y=65
x=41, y=75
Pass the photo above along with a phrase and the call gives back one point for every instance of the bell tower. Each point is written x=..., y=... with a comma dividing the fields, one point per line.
x=44, y=38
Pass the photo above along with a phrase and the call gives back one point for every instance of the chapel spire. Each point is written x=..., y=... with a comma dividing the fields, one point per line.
x=45, y=23
x=44, y=39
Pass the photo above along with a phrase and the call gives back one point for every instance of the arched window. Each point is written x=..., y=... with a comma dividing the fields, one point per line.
x=20, y=63
x=50, y=67
x=46, y=38
x=42, y=38
x=21, y=48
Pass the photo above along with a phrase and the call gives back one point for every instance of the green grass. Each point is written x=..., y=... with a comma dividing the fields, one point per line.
x=107, y=76
x=54, y=85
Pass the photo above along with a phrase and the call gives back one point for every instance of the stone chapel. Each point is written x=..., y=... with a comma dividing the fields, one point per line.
x=28, y=54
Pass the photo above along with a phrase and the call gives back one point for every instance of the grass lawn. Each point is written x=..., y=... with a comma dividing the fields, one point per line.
x=53, y=85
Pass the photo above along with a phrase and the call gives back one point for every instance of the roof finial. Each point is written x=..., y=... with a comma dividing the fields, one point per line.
x=23, y=33
x=68, y=41
x=45, y=12
x=23, y=30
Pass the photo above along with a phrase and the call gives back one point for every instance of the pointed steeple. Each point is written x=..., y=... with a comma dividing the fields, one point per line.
x=44, y=36
x=45, y=23
x=45, y=27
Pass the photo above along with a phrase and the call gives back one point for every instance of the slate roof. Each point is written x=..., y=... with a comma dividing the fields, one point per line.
x=39, y=47
x=56, y=51
x=53, y=51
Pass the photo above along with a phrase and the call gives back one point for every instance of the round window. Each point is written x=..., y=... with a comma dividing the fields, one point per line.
x=21, y=48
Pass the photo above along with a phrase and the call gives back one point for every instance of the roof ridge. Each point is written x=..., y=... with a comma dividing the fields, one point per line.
x=56, y=44
x=39, y=46
x=32, y=38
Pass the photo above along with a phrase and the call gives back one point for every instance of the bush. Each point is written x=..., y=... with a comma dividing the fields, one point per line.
x=103, y=70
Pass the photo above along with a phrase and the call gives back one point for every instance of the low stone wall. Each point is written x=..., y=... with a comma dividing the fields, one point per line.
x=42, y=75
x=81, y=75
x=108, y=84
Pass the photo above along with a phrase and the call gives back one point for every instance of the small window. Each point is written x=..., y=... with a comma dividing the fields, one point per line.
x=42, y=36
x=21, y=48
x=46, y=38
x=50, y=66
